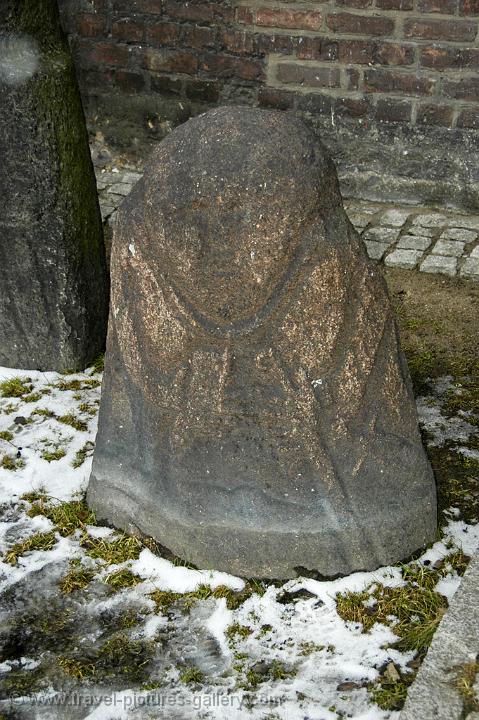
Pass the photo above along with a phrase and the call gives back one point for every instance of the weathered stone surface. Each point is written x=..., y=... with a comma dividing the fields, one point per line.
x=403, y=258
x=257, y=414
x=413, y=242
x=439, y=264
x=54, y=286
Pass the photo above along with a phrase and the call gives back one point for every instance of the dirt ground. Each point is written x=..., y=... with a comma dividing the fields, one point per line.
x=439, y=323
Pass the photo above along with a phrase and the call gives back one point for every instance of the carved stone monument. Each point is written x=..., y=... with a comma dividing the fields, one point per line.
x=257, y=413
x=54, y=281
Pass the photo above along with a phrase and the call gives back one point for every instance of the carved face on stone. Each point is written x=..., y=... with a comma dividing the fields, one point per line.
x=229, y=236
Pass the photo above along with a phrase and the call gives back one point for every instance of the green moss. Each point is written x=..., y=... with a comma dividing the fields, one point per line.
x=16, y=387
x=40, y=541
x=73, y=421
x=191, y=675
x=11, y=462
x=77, y=578
x=82, y=454
x=236, y=630
x=308, y=648
x=123, y=579
x=421, y=366
x=67, y=517
x=464, y=399
x=6, y=435
x=52, y=455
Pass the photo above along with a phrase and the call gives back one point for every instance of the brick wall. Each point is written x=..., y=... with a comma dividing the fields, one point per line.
x=408, y=64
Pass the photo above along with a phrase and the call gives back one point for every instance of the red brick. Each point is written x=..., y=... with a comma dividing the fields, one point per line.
x=277, y=99
x=311, y=76
x=468, y=119
x=129, y=82
x=290, y=19
x=237, y=41
x=279, y=44
x=95, y=79
x=199, y=37
x=315, y=103
x=227, y=66
x=455, y=30
x=394, y=4
x=166, y=85
x=390, y=81
x=176, y=61
x=394, y=54
x=351, y=107
x=355, y=3
x=353, y=77
x=446, y=7
x=390, y=110
x=317, y=48
x=244, y=15
x=163, y=34
x=110, y=54
x=198, y=11
x=360, y=24
x=435, y=115
x=469, y=7
x=90, y=25
x=359, y=52
x=153, y=7
x=441, y=58
x=309, y=48
x=202, y=90
x=367, y=52
x=463, y=89
x=127, y=30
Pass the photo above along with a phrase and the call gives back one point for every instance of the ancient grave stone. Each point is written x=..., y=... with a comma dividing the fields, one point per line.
x=54, y=285
x=257, y=413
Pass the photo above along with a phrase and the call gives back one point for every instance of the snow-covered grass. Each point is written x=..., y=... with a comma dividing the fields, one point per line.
x=95, y=620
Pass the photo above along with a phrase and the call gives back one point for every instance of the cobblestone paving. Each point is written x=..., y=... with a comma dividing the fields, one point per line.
x=416, y=238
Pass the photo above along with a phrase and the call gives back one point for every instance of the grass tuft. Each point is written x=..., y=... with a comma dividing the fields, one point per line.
x=67, y=516
x=40, y=541
x=16, y=387
x=11, y=462
x=73, y=421
x=123, y=579
x=83, y=453
x=77, y=578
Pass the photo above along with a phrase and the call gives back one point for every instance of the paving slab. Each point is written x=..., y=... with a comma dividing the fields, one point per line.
x=413, y=242
x=439, y=264
x=434, y=694
x=403, y=258
x=452, y=248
